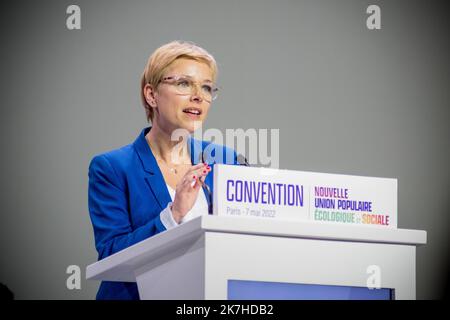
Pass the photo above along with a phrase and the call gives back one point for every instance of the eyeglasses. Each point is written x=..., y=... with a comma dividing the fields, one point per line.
x=184, y=85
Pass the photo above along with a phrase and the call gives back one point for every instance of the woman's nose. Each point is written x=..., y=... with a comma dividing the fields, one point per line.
x=195, y=96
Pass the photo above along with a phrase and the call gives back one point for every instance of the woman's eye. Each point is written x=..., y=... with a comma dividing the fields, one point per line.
x=207, y=88
x=183, y=83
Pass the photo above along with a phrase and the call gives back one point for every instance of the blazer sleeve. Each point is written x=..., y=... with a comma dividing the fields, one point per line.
x=107, y=201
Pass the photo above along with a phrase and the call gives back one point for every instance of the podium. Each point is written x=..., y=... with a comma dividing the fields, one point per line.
x=223, y=257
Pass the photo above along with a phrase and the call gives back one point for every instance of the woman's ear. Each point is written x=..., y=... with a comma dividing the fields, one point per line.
x=149, y=94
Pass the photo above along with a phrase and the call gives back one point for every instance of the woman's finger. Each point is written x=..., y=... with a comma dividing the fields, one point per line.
x=189, y=181
x=203, y=171
x=198, y=171
x=196, y=167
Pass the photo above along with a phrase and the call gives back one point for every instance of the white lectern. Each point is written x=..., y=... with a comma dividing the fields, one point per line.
x=203, y=257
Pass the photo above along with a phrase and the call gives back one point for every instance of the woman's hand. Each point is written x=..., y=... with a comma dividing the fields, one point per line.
x=187, y=190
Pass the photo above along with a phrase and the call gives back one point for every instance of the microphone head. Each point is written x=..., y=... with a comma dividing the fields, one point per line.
x=241, y=160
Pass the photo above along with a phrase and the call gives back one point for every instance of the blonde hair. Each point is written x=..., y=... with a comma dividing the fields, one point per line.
x=163, y=57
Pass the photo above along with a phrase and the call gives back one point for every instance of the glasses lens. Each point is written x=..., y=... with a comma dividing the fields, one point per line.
x=187, y=86
x=184, y=86
x=214, y=93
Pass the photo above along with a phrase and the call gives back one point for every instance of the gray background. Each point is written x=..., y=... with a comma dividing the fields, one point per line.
x=346, y=100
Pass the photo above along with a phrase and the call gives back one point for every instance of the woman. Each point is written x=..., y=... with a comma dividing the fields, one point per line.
x=155, y=183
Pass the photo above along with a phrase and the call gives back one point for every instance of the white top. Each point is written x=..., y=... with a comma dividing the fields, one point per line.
x=200, y=208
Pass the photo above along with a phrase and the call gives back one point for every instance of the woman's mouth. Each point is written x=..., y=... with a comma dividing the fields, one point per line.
x=193, y=113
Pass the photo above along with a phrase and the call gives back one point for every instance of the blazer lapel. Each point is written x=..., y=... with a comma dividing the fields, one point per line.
x=152, y=175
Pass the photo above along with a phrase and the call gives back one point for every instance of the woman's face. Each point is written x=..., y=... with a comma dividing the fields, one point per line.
x=186, y=111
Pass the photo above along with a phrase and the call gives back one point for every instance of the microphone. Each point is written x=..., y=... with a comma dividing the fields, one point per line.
x=242, y=161
x=206, y=187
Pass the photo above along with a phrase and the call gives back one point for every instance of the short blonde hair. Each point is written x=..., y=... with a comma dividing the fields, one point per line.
x=163, y=57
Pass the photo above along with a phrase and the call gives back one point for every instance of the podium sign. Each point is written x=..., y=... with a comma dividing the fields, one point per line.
x=298, y=195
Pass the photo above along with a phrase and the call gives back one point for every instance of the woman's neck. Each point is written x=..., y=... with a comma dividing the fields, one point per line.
x=164, y=148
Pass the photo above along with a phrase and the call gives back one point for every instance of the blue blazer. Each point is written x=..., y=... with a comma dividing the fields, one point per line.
x=127, y=192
